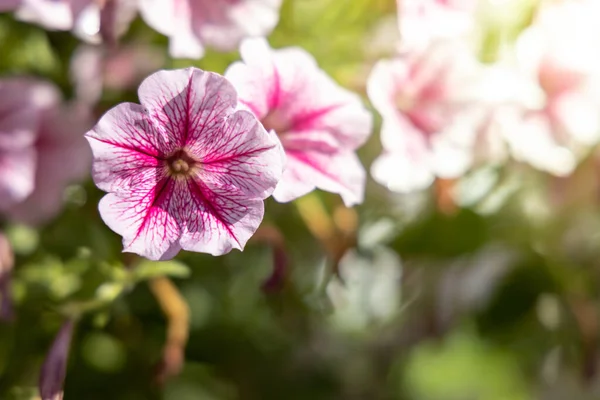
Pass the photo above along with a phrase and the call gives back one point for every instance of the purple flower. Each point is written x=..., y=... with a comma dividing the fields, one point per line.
x=184, y=170
x=222, y=24
x=37, y=135
x=320, y=124
x=54, y=369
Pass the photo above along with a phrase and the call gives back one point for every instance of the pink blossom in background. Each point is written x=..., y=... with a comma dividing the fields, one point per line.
x=559, y=54
x=63, y=158
x=95, y=68
x=21, y=102
x=42, y=149
x=422, y=21
x=319, y=123
x=193, y=24
x=90, y=20
x=432, y=114
x=185, y=169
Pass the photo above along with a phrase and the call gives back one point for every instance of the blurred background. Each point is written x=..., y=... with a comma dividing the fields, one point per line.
x=482, y=286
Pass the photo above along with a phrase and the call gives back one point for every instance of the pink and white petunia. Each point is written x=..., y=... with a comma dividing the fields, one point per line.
x=422, y=21
x=185, y=169
x=222, y=24
x=319, y=123
x=432, y=114
x=21, y=102
x=557, y=54
x=42, y=149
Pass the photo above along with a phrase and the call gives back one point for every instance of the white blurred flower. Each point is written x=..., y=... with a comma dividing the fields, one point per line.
x=369, y=291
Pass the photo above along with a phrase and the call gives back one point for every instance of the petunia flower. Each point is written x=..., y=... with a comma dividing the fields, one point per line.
x=432, y=113
x=193, y=24
x=319, y=123
x=562, y=120
x=21, y=103
x=63, y=158
x=42, y=149
x=185, y=169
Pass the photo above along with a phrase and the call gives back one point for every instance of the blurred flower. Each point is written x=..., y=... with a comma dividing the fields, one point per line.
x=422, y=21
x=94, y=68
x=319, y=123
x=63, y=157
x=42, y=149
x=432, y=115
x=221, y=24
x=54, y=369
x=560, y=117
x=89, y=19
x=184, y=170
x=368, y=290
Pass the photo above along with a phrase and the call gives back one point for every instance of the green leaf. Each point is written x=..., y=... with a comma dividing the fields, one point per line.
x=152, y=269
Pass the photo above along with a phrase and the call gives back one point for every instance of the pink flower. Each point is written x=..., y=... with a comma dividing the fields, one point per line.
x=42, y=149
x=422, y=21
x=222, y=24
x=89, y=19
x=21, y=102
x=184, y=170
x=562, y=119
x=431, y=115
x=319, y=123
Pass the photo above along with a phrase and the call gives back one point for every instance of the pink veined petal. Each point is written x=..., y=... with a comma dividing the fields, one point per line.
x=125, y=142
x=340, y=173
x=147, y=217
x=219, y=218
x=383, y=82
x=17, y=176
x=242, y=157
x=188, y=102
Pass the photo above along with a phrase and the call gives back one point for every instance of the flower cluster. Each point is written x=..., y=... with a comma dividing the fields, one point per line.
x=445, y=110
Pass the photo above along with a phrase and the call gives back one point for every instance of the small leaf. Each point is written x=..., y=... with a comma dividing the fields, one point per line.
x=152, y=269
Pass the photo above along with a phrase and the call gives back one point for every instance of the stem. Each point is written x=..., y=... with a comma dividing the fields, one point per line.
x=177, y=313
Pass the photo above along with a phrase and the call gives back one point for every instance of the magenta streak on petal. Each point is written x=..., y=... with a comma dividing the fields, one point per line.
x=161, y=196
x=275, y=94
x=196, y=189
x=303, y=121
x=231, y=157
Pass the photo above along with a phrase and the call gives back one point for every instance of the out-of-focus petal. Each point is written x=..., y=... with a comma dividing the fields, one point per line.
x=54, y=369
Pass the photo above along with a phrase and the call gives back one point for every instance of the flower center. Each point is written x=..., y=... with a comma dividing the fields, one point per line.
x=180, y=163
x=275, y=121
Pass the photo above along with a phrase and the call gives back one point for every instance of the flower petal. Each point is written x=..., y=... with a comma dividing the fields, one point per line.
x=340, y=173
x=146, y=217
x=242, y=156
x=188, y=102
x=219, y=218
x=124, y=142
